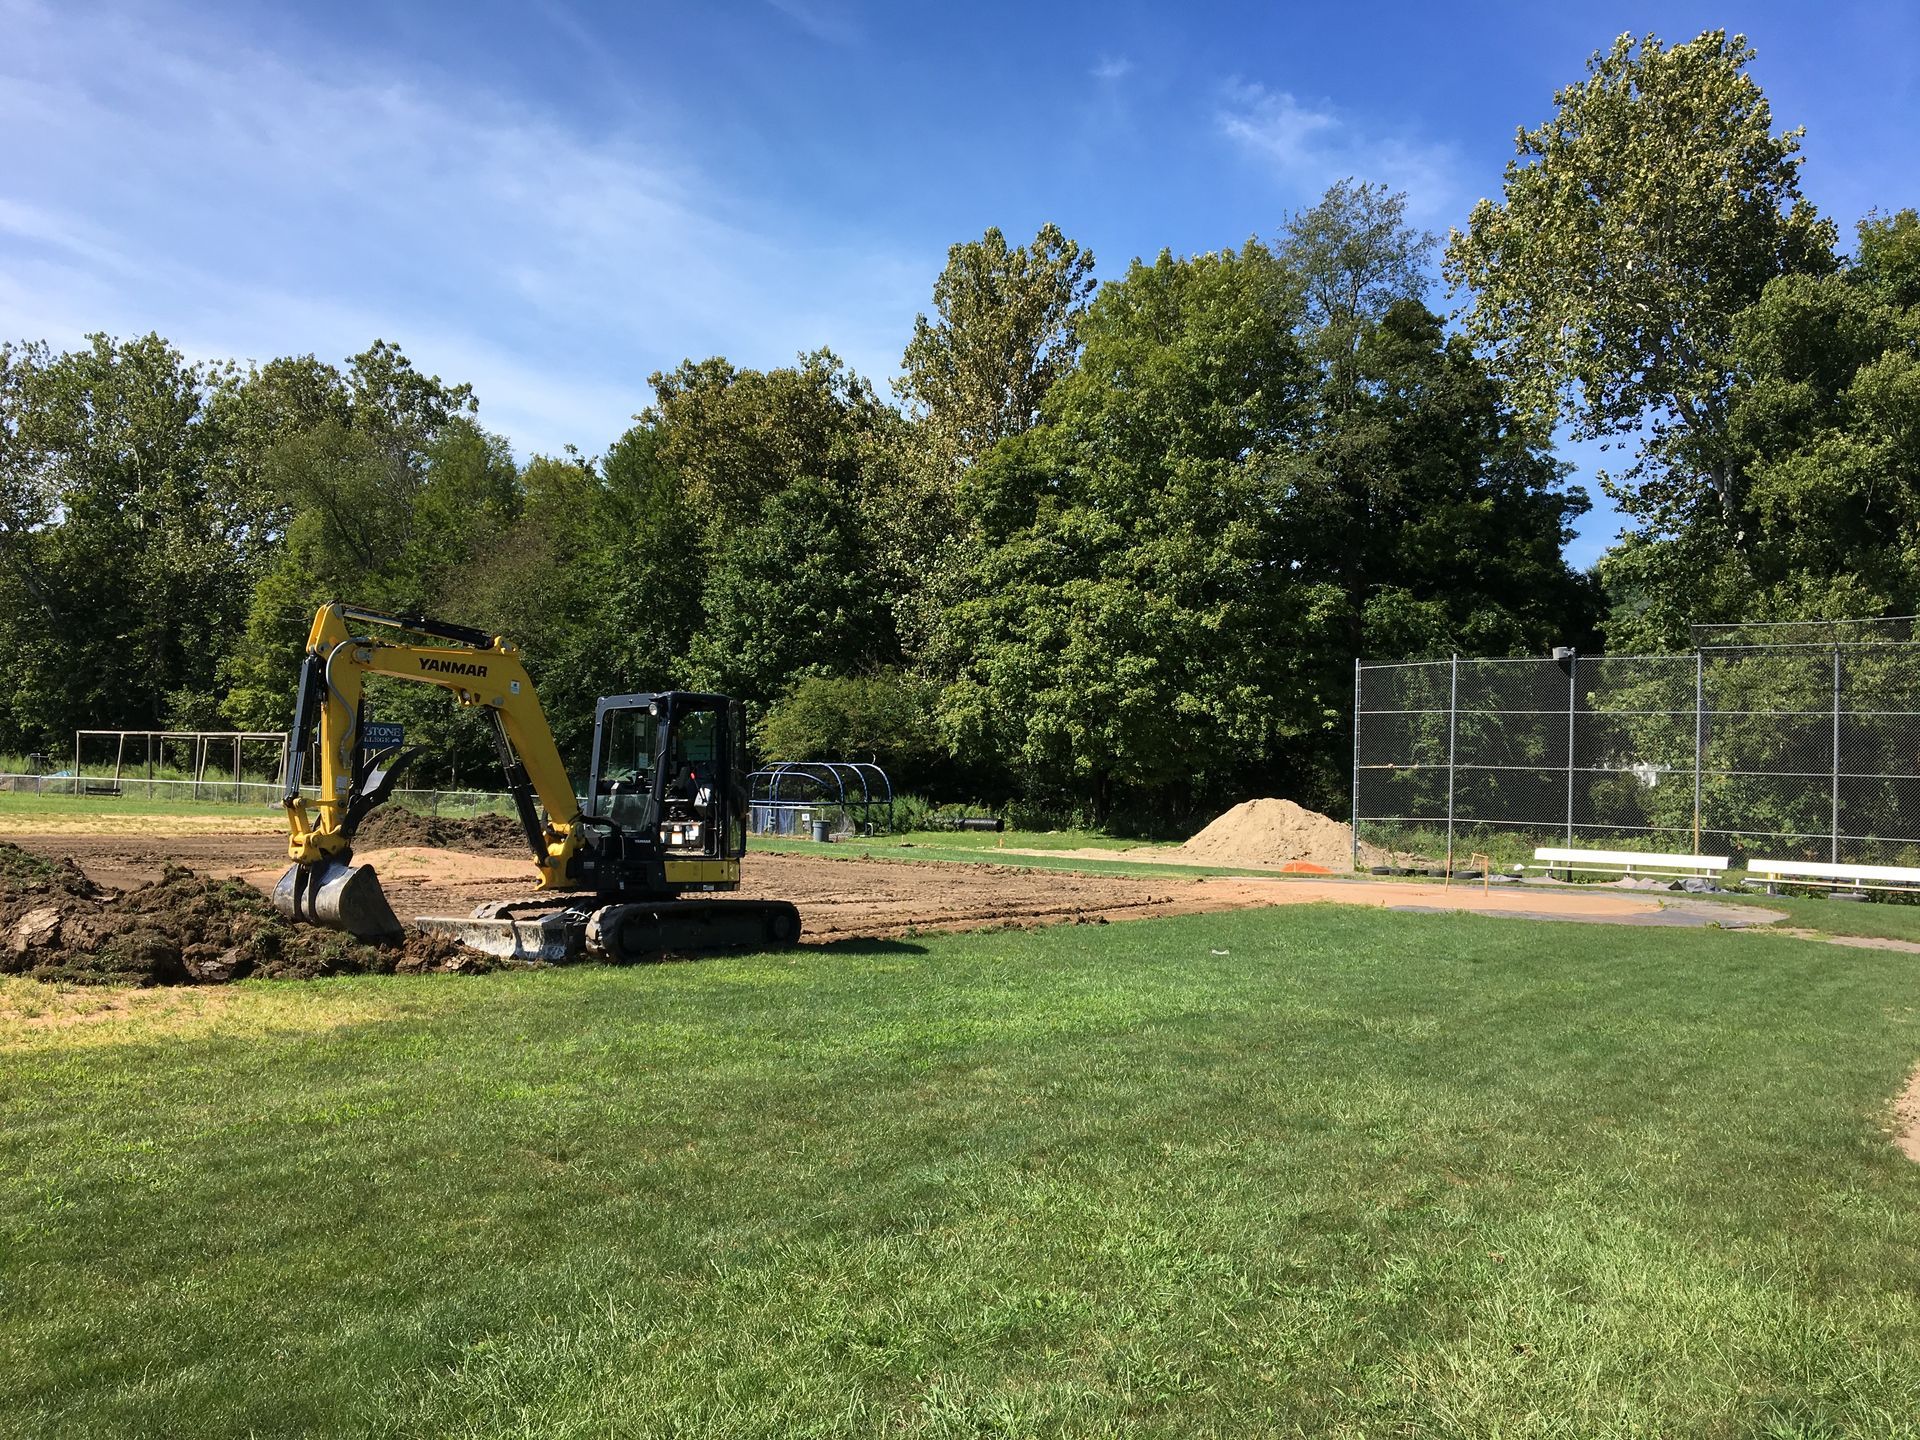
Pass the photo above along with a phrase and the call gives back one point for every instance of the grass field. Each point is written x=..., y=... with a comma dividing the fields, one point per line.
x=1129, y=858
x=26, y=805
x=1362, y=1173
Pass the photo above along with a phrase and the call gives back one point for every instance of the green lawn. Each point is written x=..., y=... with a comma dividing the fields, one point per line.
x=26, y=805
x=1027, y=840
x=1130, y=857
x=1892, y=920
x=1362, y=1174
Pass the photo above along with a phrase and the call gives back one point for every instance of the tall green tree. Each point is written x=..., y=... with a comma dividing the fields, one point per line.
x=1356, y=256
x=1429, y=508
x=736, y=437
x=1634, y=225
x=786, y=473
x=1004, y=330
x=1820, y=512
x=122, y=521
x=1224, y=508
x=388, y=492
x=791, y=595
x=1116, y=636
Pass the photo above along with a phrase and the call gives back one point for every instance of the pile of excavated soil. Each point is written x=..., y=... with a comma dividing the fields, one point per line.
x=390, y=827
x=182, y=929
x=1260, y=833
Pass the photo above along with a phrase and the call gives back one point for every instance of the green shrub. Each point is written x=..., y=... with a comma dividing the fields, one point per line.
x=885, y=717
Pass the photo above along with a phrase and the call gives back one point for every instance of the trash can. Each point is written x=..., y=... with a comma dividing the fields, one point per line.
x=822, y=831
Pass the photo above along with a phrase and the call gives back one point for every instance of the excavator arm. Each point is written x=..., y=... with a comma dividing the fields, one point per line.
x=480, y=670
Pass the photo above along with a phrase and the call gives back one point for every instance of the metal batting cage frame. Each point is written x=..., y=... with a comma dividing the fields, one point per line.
x=1796, y=741
x=787, y=798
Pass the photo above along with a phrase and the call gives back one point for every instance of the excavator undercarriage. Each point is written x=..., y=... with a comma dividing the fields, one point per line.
x=634, y=869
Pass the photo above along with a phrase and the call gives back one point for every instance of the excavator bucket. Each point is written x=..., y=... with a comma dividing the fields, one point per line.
x=338, y=897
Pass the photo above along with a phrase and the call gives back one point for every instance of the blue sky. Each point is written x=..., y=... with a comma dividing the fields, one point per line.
x=554, y=199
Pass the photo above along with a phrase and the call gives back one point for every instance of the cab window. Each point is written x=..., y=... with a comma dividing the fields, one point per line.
x=626, y=767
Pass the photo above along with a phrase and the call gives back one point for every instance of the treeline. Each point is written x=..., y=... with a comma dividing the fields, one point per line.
x=1111, y=550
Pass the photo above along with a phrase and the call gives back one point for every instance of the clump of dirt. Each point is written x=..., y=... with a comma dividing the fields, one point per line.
x=1259, y=833
x=392, y=826
x=182, y=929
x=24, y=873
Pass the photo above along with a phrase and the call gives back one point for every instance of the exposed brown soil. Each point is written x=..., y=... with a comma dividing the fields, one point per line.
x=839, y=899
x=57, y=923
x=171, y=923
x=1906, y=1118
x=1260, y=834
x=391, y=825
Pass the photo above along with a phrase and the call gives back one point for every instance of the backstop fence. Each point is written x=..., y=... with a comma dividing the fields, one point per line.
x=1798, y=749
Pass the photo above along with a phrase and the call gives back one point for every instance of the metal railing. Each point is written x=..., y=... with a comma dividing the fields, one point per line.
x=1799, y=750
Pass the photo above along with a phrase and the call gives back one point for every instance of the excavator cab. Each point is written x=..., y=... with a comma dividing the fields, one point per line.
x=665, y=783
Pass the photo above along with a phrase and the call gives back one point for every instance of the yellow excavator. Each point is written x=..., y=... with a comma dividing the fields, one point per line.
x=630, y=870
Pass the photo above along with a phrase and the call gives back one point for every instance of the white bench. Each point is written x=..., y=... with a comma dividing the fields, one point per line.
x=1773, y=873
x=1631, y=862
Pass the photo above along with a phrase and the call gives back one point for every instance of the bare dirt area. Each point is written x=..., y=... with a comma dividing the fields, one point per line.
x=856, y=898
x=1253, y=835
x=1906, y=1118
x=838, y=899
x=390, y=826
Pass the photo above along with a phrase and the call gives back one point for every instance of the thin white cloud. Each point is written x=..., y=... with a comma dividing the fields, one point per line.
x=165, y=175
x=1308, y=147
x=825, y=20
x=1112, y=68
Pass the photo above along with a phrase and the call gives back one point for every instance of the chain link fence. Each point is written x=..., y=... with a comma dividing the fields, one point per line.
x=1749, y=746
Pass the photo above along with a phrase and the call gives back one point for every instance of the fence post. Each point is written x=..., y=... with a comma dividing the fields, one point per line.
x=1355, y=812
x=1453, y=727
x=1833, y=852
x=1699, y=736
x=1573, y=669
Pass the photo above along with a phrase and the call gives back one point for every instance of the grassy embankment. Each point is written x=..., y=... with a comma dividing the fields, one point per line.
x=1361, y=1173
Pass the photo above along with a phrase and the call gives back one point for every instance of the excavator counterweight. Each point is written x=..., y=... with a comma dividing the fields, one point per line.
x=634, y=869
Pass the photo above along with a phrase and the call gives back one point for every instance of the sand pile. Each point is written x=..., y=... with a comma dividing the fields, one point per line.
x=1272, y=832
x=391, y=826
x=182, y=929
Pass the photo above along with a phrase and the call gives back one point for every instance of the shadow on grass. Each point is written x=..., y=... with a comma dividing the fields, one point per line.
x=870, y=947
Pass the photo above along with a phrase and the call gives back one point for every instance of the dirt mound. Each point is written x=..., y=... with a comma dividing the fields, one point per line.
x=182, y=929
x=390, y=826
x=1268, y=833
